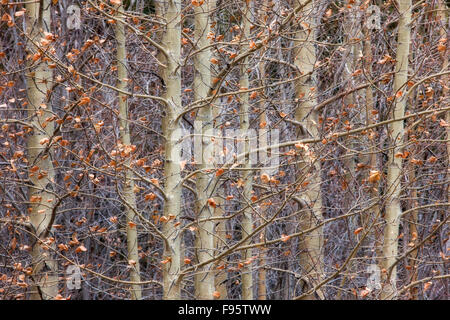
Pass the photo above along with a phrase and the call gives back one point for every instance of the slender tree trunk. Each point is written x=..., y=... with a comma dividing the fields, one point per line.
x=204, y=242
x=172, y=133
x=42, y=200
x=247, y=222
x=263, y=133
x=128, y=183
x=393, y=187
x=311, y=255
x=443, y=13
x=262, y=292
x=262, y=274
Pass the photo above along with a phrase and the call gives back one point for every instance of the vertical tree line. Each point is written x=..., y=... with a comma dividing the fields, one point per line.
x=216, y=149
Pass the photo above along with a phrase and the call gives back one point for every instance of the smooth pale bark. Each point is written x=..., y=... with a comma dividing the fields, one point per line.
x=172, y=133
x=262, y=274
x=394, y=175
x=128, y=183
x=247, y=222
x=311, y=245
x=204, y=241
x=39, y=81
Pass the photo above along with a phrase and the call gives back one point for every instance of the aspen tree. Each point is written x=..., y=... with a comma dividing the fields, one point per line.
x=124, y=130
x=41, y=191
x=247, y=221
x=263, y=124
x=172, y=134
x=204, y=241
x=394, y=175
x=311, y=256
x=262, y=292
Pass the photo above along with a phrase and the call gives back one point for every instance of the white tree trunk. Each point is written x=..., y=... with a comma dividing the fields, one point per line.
x=396, y=130
x=204, y=242
x=172, y=133
x=128, y=183
x=42, y=200
x=311, y=256
x=247, y=222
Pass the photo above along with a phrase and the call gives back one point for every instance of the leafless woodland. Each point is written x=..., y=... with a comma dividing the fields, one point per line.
x=355, y=208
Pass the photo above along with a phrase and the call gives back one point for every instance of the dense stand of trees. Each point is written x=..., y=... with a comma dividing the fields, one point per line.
x=224, y=149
